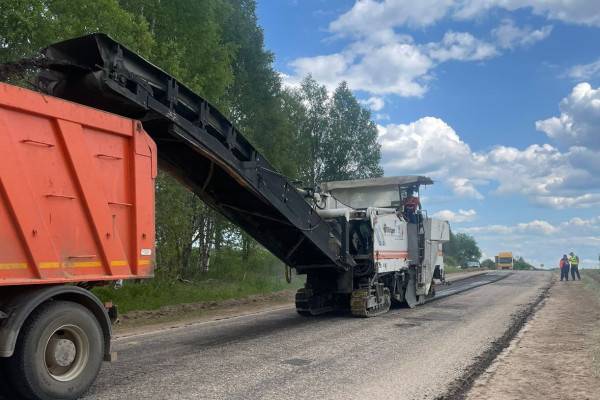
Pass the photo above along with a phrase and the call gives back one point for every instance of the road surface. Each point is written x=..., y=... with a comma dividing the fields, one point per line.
x=406, y=353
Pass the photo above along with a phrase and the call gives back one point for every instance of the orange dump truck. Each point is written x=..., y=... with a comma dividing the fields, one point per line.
x=76, y=207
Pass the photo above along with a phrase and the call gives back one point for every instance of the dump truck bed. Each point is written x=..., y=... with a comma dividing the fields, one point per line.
x=76, y=192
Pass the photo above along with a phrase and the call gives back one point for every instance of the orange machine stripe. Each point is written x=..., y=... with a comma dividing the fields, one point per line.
x=386, y=255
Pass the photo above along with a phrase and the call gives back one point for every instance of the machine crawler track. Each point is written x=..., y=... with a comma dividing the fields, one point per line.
x=365, y=304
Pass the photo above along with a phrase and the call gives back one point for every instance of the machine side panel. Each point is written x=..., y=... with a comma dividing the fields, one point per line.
x=436, y=233
x=391, y=243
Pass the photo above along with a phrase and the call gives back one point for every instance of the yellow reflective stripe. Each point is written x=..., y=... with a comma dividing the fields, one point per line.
x=77, y=264
x=9, y=266
x=85, y=264
x=50, y=265
x=118, y=263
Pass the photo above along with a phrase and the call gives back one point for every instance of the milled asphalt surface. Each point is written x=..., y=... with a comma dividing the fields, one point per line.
x=407, y=353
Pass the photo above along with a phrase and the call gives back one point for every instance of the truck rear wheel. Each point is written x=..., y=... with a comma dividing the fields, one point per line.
x=58, y=354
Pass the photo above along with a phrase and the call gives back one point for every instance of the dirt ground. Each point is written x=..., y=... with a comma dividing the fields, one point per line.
x=555, y=356
x=182, y=314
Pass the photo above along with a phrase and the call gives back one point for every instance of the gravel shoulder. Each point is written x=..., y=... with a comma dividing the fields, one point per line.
x=555, y=356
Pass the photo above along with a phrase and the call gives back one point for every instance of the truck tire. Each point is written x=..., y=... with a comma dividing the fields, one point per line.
x=6, y=388
x=58, y=353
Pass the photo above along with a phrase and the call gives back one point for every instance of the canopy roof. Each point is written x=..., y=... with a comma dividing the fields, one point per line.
x=405, y=181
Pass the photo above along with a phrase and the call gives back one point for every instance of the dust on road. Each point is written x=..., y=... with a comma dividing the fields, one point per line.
x=553, y=357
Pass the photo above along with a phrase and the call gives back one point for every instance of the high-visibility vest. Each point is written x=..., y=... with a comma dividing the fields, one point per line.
x=573, y=261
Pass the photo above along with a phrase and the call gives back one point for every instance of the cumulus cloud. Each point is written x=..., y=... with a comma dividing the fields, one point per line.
x=541, y=241
x=456, y=216
x=509, y=36
x=586, y=200
x=581, y=12
x=585, y=71
x=464, y=187
x=368, y=15
x=461, y=46
x=542, y=173
x=535, y=226
x=579, y=119
x=380, y=61
x=374, y=103
x=427, y=146
x=390, y=65
x=384, y=62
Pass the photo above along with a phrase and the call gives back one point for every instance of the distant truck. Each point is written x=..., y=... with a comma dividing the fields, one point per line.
x=504, y=260
x=473, y=264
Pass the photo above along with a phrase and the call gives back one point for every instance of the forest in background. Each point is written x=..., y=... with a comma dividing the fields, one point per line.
x=216, y=47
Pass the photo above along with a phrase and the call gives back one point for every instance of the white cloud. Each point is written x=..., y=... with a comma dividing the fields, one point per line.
x=427, y=146
x=379, y=67
x=579, y=119
x=380, y=61
x=374, y=103
x=585, y=71
x=369, y=15
x=582, y=12
x=580, y=222
x=461, y=46
x=544, y=174
x=464, y=187
x=586, y=200
x=458, y=216
x=541, y=241
x=509, y=36
x=535, y=226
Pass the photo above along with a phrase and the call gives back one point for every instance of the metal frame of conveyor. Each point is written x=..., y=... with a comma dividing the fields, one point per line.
x=199, y=146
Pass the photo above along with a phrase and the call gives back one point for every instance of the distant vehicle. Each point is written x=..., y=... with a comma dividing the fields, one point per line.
x=505, y=260
x=473, y=264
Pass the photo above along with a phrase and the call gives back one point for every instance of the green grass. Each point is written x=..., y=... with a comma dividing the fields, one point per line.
x=452, y=269
x=228, y=278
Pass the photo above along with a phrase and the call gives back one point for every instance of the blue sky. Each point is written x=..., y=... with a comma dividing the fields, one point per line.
x=497, y=100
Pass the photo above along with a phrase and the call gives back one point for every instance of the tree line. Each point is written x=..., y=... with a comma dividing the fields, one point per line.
x=460, y=249
x=215, y=47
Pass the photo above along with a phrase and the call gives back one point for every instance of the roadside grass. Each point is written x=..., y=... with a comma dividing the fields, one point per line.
x=591, y=278
x=228, y=278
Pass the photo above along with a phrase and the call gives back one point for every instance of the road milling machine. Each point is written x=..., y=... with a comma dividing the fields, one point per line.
x=393, y=249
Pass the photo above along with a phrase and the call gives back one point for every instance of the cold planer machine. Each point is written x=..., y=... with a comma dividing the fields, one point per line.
x=362, y=244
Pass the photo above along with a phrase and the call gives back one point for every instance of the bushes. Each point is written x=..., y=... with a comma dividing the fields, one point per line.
x=228, y=277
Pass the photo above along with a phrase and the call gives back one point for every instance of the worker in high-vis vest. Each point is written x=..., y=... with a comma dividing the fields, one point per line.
x=574, y=261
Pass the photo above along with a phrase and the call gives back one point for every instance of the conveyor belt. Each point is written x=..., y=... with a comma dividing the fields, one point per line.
x=198, y=145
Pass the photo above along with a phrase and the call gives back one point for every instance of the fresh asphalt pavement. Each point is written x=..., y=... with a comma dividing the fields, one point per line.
x=407, y=353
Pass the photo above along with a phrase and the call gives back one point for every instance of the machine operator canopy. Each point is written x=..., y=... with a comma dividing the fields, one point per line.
x=375, y=192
